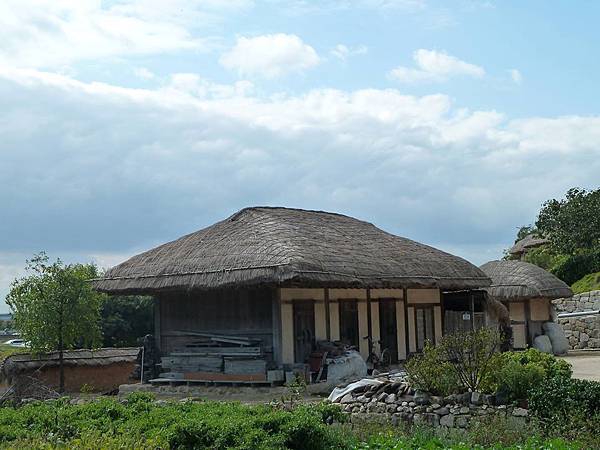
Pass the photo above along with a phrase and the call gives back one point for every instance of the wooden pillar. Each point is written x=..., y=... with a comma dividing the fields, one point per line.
x=157, y=331
x=327, y=315
x=369, y=324
x=276, y=320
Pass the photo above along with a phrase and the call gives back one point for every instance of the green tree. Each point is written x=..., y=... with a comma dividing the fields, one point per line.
x=572, y=224
x=126, y=319
x=55, y=308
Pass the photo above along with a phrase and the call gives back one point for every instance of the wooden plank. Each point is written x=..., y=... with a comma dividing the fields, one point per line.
x=229, y=377
x=244, y=366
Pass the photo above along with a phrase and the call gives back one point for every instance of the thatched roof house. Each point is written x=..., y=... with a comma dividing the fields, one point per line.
x=289, y=277
x=283, y=246
x=521, y=247
x=528, y=290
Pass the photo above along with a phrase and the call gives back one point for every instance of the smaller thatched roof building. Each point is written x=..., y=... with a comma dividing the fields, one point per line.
x=528, y=242
x=519, y=280
x=527, y=290
x=101, y=369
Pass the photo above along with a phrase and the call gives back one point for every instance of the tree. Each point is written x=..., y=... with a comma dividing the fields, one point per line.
x=572, y=225
x=55, y=308
x=126, y=319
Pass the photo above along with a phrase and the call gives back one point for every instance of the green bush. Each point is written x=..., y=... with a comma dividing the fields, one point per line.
x=590, y=282
x=569, y=408
x=140, y=423
x=429, y=372
x=573, y=268
x=515, y=373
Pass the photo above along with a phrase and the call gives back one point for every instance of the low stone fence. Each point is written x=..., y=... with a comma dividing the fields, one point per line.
x=455, y=411
x=582, y=332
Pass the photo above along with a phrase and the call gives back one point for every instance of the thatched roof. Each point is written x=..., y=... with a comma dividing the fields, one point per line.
x=519, y=280
x=25, y=362
x=290, y=247
x=529, y=241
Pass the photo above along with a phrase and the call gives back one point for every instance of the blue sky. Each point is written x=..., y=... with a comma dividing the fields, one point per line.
x=126, y=124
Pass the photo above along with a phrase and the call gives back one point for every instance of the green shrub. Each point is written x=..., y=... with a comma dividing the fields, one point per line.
x=573, y=268
x=515, y=373
x=429, y=372
x=590, y=282
x=140, y=423
x=471, y=355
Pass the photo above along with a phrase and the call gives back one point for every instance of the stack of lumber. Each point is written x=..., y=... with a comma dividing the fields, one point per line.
x=215, y=357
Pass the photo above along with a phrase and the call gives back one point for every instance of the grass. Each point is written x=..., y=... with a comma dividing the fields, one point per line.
x=590, y=282
x=7, y=350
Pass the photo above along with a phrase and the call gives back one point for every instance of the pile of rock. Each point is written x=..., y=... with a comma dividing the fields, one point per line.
x=393, y=400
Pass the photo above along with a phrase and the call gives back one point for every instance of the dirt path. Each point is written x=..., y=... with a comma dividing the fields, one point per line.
x=586, y=365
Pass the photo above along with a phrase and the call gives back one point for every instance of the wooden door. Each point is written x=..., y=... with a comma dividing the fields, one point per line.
x=424, y=318
x=304, y=330
x=388, y=329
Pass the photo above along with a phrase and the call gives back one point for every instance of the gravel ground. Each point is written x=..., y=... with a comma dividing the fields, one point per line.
x=586, y=365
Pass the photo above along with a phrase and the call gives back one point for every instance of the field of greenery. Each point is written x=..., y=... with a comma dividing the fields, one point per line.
x=141, y=422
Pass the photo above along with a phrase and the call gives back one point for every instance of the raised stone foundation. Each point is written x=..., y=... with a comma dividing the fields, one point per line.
x=582, y=332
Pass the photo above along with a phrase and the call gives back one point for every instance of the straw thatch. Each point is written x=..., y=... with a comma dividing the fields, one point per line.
x=529, y=241
x=26, y=362
x=519, y=280
x=290, y=247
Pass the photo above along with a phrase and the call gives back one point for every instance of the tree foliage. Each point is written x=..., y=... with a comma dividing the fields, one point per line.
x=572, y=224
x=54, y=307
x=126, y=319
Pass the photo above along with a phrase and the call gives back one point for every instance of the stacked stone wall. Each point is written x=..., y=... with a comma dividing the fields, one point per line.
x=582, y=332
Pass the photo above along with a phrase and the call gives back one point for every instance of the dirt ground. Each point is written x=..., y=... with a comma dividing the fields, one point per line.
x=586, y=365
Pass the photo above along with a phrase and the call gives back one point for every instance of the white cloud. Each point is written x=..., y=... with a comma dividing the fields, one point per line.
x=343, y=52
x=516, y=76
x=143, y=73
x=270, y=56
x=91, y=169
x=434, y=66
x=53, y=33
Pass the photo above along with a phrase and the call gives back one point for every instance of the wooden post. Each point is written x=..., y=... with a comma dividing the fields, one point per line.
x=157, y=331
x=369, y=324
x=472, y=309
x=327, y=319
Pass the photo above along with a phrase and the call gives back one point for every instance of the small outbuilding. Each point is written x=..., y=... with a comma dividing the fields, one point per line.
x=527, y=291
x=274, y=281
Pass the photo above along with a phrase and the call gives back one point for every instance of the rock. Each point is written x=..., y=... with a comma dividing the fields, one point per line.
x=347, y=399
x=447, y=420
x=476, y=398
x=465, y=410
x=465, y=398
x=437, y=399
x=520, y=412
x=435, y=405
x=543, y=344
x=560, y=344
x=391, y=398
x=421, y=398
x=442, y=411
x=461, y=421
x=381, y=397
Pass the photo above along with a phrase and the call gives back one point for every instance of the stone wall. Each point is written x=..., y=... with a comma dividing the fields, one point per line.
x=456, y=411
x=582, y=332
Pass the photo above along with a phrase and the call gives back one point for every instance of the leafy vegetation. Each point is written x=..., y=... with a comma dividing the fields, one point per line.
x=125, y=320
x=460, y=362
x=572, y=226
x=430, y=372
x=55, y=308
x=590, y=282
x=140, y=423
x=570, y=407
